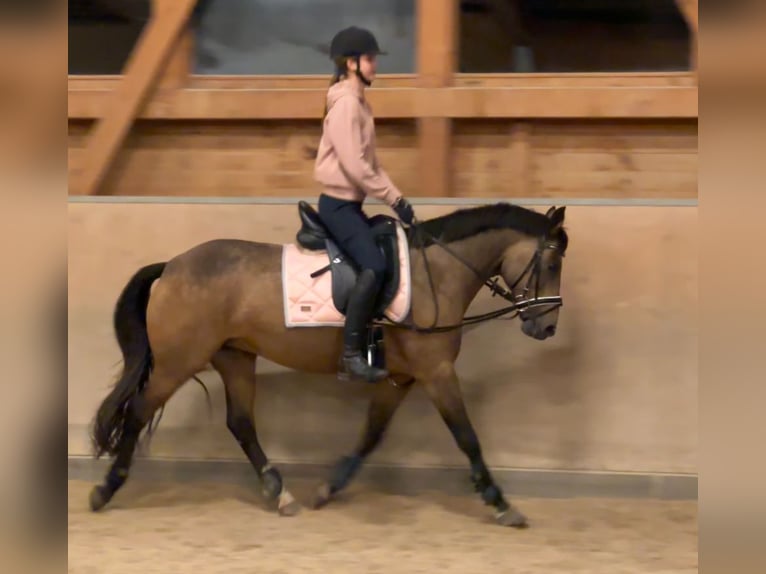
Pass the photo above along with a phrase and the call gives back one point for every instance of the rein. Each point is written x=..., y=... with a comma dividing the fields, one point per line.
x=518, y=304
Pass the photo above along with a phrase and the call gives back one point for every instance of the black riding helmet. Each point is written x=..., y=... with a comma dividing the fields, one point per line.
x=354, y=42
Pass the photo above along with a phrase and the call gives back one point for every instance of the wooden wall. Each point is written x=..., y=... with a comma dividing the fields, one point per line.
x=243, y=158
x=575, y=159
x=160, y=131
x=489, y=158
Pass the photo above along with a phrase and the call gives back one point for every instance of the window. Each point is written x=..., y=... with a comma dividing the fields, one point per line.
x=285, y=37
x=560, y=36
x=102, y=34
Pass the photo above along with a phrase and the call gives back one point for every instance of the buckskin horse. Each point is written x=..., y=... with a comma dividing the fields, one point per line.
x=225, y=302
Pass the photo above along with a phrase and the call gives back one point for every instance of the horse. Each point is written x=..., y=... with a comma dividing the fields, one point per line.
x=222, y=303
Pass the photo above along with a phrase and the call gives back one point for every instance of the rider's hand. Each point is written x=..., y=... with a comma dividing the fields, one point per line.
x=404, y=210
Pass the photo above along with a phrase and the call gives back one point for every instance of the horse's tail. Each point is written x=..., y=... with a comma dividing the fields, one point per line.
x=130, y=330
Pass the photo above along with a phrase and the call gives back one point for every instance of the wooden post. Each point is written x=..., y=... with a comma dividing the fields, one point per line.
x=520, y=158
x=690, y=11
x=437, y=48
x=142, y=70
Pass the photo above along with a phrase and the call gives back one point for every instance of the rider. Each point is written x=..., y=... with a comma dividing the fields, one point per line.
x=347, y=168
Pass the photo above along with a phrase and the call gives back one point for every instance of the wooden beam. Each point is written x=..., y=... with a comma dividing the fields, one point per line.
x=437, y=38
x=319, y=82
x=454, y=102
x=141, y=72
x=520, y=158
x=690, y=11
x=435, y=151
x=94, y=83
x=581, y=80
x=229, y=97
x=436, y=63
x=180, y=63
x=578, y=102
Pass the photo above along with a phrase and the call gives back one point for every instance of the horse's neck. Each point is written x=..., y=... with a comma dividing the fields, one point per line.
x=483, y=252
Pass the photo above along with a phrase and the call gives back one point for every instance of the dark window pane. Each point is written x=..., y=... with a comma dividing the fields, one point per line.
x=102, y=33
x=293, y=36
x=572, y=36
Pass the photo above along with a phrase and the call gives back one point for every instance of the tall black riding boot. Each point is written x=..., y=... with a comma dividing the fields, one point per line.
x=361, y=305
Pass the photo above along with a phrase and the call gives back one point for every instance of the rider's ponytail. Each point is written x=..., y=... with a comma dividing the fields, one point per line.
x=339, y=73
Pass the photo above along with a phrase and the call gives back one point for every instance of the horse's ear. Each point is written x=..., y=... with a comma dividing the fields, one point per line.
x=551, y=210
x=557, y=219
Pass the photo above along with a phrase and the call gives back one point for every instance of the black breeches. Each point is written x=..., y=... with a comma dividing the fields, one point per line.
x=350, y=227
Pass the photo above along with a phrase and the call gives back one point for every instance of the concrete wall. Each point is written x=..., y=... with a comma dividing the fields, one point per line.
x=616, y=389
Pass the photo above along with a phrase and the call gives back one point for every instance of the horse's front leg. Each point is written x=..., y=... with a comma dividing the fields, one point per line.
x=443, y=387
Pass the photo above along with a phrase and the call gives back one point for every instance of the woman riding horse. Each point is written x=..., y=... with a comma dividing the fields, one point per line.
x=221, y=303
x=348, y=169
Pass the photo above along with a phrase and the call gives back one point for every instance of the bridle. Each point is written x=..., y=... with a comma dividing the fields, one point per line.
x=520, y=304
x=533, y=268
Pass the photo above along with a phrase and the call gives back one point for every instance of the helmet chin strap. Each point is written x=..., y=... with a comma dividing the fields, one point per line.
x=359, y=74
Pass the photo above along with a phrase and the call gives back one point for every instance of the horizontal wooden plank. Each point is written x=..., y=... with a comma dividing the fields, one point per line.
x=648, y=79
x=234, y=158
x=576, y=159
x=499, y=161
x=560, y=158
x=576, y=101
x=577, y=185
x=665, y=136
x=229, y=82
x=569, y=80
x=220, y=104
x=557, y=183
x=656, y=136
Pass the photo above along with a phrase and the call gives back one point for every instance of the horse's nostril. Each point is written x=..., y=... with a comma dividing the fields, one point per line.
x=550, y=330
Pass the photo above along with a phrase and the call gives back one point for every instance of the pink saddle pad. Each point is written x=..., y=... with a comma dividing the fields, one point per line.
x=308, y=301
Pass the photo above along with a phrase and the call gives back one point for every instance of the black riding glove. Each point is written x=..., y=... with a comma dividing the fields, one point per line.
x=404, y=210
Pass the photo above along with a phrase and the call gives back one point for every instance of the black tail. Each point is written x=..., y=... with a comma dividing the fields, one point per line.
x=130, y=329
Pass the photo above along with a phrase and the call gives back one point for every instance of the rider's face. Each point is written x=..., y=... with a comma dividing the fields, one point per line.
x=368, y=66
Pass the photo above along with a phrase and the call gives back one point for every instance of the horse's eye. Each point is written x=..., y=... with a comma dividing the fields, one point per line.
x=553, y=267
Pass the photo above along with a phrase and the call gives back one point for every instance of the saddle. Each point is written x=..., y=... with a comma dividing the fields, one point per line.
x=314, y=236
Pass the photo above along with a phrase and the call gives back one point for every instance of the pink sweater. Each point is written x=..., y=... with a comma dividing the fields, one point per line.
x=346, y=164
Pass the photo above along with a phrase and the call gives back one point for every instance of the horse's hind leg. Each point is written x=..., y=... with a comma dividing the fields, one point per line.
x=159, y=388
x=237, y=369
x=383, y=405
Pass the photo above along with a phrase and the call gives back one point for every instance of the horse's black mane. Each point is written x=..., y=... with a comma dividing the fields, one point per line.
x=465, y=223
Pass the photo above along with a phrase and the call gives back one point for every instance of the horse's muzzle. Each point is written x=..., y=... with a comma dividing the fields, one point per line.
x=539, y=332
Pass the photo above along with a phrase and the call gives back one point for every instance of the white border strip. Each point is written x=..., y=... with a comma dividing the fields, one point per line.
x=458, y=201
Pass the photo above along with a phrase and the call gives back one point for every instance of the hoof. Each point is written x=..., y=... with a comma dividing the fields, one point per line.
x=98, y=498
x=291, y=509
x=288, y=506
x=322, y=497
x=513, y=518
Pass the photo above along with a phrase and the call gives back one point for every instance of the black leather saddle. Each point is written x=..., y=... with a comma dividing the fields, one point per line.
x=314, y=236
